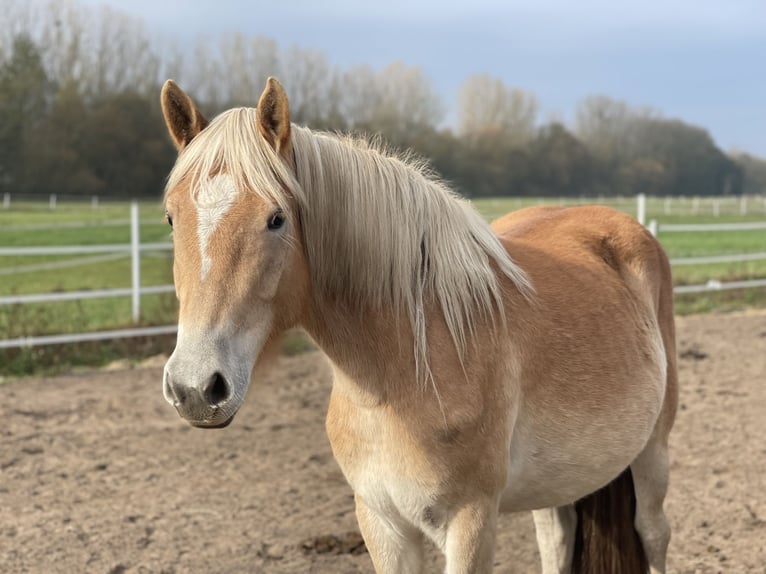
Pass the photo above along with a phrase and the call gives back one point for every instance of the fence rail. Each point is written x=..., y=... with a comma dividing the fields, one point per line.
x=714, y=285
x=135, y=248
x=84, y=337
x=85, y=294
x=688, y=227
x=709, y=259
x=82, y=249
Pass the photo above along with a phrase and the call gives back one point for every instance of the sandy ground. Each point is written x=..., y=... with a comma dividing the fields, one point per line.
x=98, y=474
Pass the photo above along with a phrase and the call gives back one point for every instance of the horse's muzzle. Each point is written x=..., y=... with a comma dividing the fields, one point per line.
x=203, y=401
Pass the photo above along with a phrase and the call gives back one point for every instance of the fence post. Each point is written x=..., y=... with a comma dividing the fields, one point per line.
x=653, y=227
x=135, y=260
x=641, y=208
x=94, y=202
x=7, y=200
x=743, y=205
x=52, y=202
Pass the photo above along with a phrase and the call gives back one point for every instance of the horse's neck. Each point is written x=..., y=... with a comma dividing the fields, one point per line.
x=374, y=362
x=372, y=349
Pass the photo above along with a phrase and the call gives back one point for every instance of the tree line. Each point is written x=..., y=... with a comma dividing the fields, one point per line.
x=79, y=114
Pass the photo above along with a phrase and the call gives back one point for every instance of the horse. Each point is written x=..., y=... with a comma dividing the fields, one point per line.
x=529, y=364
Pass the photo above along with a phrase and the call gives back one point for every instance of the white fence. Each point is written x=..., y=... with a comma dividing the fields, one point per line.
x=52, y=199
x=135, y=291
x=714, y=284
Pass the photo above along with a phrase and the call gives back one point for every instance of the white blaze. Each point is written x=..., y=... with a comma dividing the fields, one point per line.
x=214, y=199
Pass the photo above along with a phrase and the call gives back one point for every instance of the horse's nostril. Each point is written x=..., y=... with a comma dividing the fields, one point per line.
x=217, y=389
x=175, y=393
x=180, y=394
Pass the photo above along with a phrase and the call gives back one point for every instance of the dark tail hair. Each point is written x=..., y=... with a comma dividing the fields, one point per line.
x=606, y=540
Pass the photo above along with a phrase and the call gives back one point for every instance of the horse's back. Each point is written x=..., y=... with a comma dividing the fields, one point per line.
x=594, y=343
x=588, y=236
x=583, y=257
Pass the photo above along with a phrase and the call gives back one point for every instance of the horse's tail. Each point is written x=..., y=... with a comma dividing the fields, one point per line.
x=606, y=540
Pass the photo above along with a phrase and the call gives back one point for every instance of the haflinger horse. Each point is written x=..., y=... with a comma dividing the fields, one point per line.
x=526, y=365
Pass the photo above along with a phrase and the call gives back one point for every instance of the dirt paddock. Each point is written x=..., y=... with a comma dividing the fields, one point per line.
x=98, y=474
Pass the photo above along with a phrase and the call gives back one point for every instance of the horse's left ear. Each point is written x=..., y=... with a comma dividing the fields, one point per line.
x=183, y=119
x=274, y=118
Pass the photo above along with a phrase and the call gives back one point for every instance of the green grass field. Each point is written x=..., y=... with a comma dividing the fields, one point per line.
x=34, y=224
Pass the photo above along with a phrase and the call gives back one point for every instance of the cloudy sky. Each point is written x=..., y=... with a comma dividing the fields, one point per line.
x=703, y=61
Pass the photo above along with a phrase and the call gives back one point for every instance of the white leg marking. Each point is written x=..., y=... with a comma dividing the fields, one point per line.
x=214, y=198
x=650, y=481
x=395, y=546
x=556, y=529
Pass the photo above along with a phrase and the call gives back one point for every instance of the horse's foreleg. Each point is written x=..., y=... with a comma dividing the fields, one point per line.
x=394, y=546
x=471, y=538
x=650, y=482
x=556, y=529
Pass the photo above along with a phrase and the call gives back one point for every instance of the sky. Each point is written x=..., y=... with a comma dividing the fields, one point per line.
x=703, y=61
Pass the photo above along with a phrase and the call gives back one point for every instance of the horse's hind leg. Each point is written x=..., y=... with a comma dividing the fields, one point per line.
x=556, y=529
x=650, y=480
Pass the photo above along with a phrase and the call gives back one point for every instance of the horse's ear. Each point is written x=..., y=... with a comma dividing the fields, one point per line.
x=274, y=118
x=182, y=117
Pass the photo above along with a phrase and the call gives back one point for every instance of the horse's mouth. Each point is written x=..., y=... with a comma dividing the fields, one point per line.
x=212, y=425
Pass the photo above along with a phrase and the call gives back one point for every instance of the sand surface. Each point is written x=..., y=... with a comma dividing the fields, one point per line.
x=98, y=473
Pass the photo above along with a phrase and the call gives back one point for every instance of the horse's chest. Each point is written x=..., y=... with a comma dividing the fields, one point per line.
x=382, y=463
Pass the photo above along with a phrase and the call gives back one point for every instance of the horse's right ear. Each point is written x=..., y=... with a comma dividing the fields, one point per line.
x=182, y=117
x=274, y=118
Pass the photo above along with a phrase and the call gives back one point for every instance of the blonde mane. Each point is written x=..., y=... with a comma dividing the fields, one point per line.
x=380, y=231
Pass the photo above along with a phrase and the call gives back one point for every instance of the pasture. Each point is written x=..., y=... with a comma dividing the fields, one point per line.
x=100, y=475
x=35, y=224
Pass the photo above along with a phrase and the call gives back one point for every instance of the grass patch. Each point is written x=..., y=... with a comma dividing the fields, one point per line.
x=84, y=315
x=34, y=224
x=720, y=301
x=57, y=359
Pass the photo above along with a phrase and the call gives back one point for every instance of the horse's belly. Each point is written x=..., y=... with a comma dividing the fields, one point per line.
x=556, y=460
x=557, y=481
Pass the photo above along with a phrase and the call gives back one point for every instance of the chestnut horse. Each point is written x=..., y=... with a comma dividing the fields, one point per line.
x=527, y=365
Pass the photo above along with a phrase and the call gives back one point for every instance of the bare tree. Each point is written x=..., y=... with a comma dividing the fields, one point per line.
x=20, y=17
x=487, y=106
x=120, y=53
x=63, y=37
x=408, y=97
x=611, y=128
x=100, y=50
x=309, y=80
x=397, y=100
x=359, y=96
x=244, y=66
x=202, y=74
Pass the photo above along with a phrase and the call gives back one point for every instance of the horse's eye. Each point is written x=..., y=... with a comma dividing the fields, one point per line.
x=169, y=219
x=276, y=220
